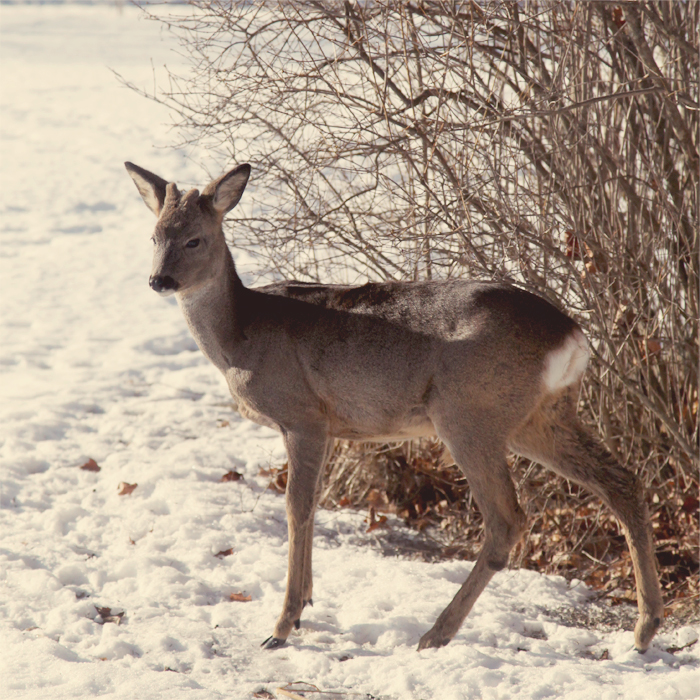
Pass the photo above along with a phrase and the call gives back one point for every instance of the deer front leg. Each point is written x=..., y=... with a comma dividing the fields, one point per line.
x=308, y=578
x=307, y=450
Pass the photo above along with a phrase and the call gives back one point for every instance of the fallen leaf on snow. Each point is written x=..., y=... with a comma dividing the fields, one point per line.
x=125, y=489
x=374, y=523
x=224, y=553
x=107, y=616
x=232, y=476
x=240, y=598
x=90, y=466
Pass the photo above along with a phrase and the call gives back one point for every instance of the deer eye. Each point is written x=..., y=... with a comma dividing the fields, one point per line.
x=193, y=243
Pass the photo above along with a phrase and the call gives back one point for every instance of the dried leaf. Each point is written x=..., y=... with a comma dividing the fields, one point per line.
x=90, y=466
x=573, y=248
x=374, y=524
x=108, y=616
x=224, y=553
x=653, y=346
x=378, y=500
x=263, y=694
x=578, y=249
x=220, y=423
x=232, y=476
x=618, y=17
x=125, y=489
x=690, y=505
x=240, y=598
x=278, y=478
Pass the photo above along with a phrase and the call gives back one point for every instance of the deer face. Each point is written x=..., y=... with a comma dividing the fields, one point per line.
x=188, y=239
x=187, y=243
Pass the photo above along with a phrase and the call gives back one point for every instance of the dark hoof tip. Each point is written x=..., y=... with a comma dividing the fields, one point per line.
x=297, y=624
x=427, y=642
x=273, y=643
x=309, y=602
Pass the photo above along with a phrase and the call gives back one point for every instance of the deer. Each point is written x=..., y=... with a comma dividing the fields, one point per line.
x=486, y=367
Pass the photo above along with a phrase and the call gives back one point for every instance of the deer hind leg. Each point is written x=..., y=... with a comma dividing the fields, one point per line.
x=555, y=438
x=485, y=467
x=306, y=449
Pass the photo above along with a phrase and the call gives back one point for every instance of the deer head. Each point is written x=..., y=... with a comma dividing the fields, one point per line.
x=188, y=237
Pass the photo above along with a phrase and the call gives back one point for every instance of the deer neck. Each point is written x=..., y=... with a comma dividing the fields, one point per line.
x=213, y=314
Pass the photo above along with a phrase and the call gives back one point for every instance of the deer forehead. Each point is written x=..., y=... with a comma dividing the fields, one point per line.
x=181, y=213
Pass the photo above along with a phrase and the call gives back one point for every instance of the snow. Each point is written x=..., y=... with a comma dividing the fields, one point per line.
x=93, y=364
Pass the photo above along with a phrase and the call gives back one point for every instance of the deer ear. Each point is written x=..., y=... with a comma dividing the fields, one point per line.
x=150, y=186
x=226, y=192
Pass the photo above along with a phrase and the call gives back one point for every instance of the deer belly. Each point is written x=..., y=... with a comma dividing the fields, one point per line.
x=360, y=423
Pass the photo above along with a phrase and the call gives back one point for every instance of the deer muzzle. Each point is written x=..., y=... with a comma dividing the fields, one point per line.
x=163, y=284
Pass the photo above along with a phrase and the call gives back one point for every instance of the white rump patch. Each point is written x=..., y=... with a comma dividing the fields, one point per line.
x=565, y=365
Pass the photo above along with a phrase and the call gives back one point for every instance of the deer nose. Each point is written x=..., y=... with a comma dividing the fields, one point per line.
x=162, y=283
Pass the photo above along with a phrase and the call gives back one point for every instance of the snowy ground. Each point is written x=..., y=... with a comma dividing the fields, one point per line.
x=94, y=365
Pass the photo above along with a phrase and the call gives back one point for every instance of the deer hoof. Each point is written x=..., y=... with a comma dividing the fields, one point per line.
x=431, y=640
x=273, y=643
x=644, y=632
x=297, y=624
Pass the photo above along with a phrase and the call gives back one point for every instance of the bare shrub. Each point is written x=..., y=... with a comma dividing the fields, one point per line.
x=551, y=143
